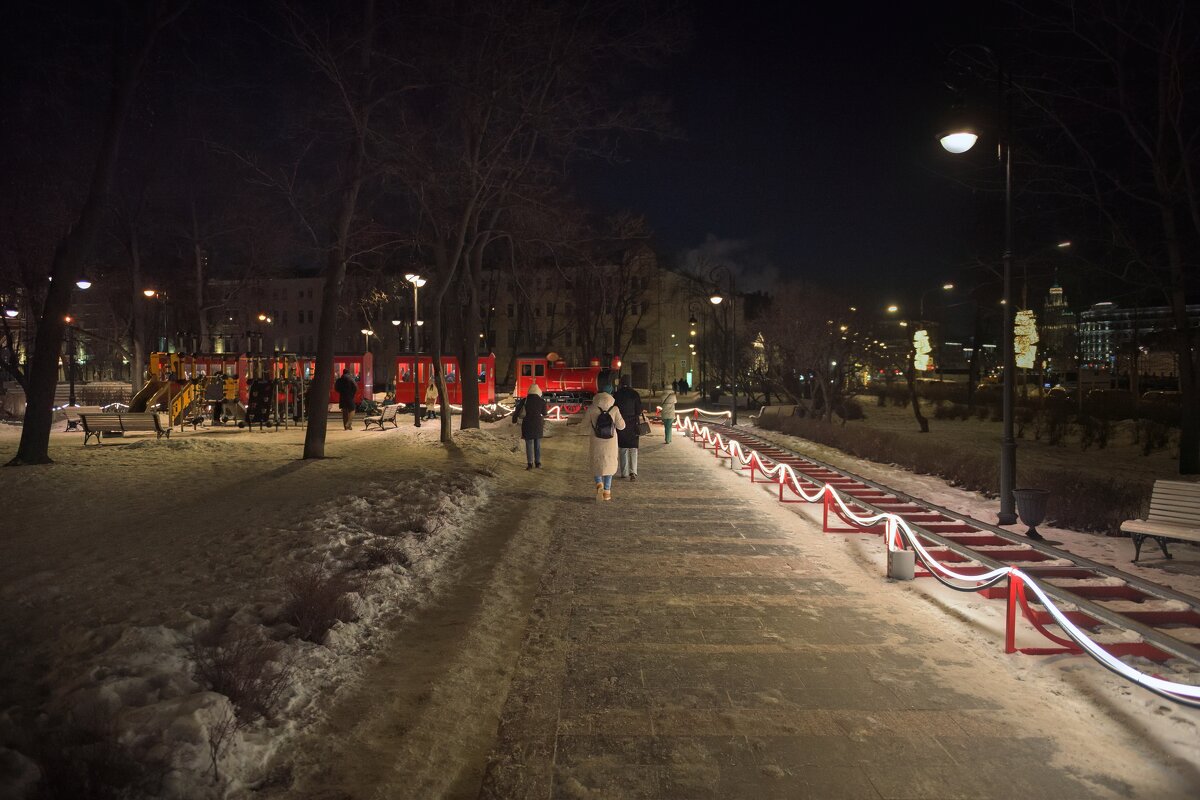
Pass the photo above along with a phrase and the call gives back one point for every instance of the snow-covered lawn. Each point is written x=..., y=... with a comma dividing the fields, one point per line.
x=120, y=563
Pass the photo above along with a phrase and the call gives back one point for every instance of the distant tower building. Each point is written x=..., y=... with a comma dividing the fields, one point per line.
x=1060, y=335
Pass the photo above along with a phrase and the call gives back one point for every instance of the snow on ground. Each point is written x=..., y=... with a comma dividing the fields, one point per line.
x=116, y=560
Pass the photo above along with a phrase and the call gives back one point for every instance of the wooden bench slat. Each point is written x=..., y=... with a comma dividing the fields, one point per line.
x=1174, y=516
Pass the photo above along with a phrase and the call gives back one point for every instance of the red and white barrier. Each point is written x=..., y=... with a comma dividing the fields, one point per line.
x=898, y=534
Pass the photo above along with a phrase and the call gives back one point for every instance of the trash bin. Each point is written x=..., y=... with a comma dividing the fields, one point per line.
x=1031, y=507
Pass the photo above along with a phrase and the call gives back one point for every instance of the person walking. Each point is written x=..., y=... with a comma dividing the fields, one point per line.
x=346, y=389
x=533, y=425
x=668, y=413
x=629, y=402
x=602, y=421
x=431, y=398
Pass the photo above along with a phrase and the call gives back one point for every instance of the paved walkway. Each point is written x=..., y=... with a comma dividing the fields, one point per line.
x=692, y=639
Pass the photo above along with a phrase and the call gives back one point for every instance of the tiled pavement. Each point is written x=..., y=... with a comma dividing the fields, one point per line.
x=681, y=647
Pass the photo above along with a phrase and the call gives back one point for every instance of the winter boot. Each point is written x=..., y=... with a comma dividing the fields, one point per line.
x=599, y=490
x=607, y=494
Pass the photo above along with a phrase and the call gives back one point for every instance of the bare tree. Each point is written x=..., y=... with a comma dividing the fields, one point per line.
x=1113, y=80
x=135, y=28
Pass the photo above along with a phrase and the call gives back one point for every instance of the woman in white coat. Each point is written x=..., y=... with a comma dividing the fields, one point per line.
x=602, y=451
x=668, y=413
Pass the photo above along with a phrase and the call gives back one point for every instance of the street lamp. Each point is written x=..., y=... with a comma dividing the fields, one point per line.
x=70, y=360
x=960, y=138
x=417, y=282
x=367, y=334
x=161, y=297
x=696, y=309
x=84, y=282
x=715, y=275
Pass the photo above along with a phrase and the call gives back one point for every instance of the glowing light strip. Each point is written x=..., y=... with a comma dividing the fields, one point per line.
x=1179, y=691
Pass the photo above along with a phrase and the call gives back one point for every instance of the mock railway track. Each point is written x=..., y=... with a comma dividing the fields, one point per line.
x=1125, y=614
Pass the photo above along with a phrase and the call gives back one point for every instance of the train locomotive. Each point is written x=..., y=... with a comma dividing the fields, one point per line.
x=569, y=387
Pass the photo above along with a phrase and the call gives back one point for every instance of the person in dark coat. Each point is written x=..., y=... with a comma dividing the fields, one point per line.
x=629, y=403
x=346, y=389
x=533, y=425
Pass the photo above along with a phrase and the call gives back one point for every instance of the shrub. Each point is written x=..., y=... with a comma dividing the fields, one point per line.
x=84, y=760
x=1153, y=435
x=316, y=602
x=242, y=664
x=1093, y=431
x=848, y=408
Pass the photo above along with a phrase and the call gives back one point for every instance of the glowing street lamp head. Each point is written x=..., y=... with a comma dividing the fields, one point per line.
x=893, y=309
x=396, y=322
x=262, y=317
x=716, y=299
x=947, y=286
x=367, y=332
x=958, y=141
x=10, y=312
x=84, y=283
x=150, y=292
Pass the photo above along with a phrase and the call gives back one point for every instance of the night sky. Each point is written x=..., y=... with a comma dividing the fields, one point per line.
x=810, y=148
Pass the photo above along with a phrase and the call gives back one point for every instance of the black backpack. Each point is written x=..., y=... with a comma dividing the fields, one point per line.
x=603, y=426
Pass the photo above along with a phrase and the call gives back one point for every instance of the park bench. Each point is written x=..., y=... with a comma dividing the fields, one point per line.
x=71, y=415
x=1174, y=516
x=776, y=412
x=386, y=414
x=122, y=423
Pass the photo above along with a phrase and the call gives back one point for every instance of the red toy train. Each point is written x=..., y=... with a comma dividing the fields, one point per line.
x=570, y=387
x=420, y=366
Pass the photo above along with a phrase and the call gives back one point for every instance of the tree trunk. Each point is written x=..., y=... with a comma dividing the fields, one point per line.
x=138, y=300
x=335, y=265
x=1189, y=426
x=69, y=257
x=198, y=268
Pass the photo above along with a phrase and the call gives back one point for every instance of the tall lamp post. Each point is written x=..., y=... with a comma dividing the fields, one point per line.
x=417, y=282
x=696, y=309
x=715, y=275
x=70, y=360
x=959, y=138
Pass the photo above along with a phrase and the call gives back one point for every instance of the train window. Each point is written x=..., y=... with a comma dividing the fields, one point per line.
x=482, y=373
x=451, y=371
x=539, y=370
x=526, y=370
x=404, y=373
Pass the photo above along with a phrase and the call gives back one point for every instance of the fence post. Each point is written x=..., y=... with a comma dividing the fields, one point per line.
x=1010, y=624
x=825, y=512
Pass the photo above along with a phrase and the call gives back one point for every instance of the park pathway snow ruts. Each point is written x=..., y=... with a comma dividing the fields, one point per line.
x=418, y=719
x=693, y=639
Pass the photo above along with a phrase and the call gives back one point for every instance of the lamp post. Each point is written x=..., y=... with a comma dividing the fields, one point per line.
x=70, y=361
x=417, y=282
x=715, y=276
x=161, y=297
x=396, y=323
x=367, y=334
x=960, y=138
x=696, y=309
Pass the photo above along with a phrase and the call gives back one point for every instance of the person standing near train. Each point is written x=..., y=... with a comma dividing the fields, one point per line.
x=668, y=413
x=629, y=402
x=602, y=422
x=346, y=389
x=532, y=414
x=431, y=398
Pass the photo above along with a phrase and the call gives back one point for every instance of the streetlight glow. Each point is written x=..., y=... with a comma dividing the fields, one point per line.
x=716, y=299
x=149, y=292
x=84, y=283
x=893, y=309
x=947, y=286
x=959, y=141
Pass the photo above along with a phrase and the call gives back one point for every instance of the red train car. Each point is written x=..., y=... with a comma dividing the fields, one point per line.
x=420, y=366
x=360, y=365
x=571, y=387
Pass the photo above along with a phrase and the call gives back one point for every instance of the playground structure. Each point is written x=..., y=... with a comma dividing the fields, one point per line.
x=570, y=387
x=420, y=366
x=245, y=388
